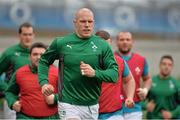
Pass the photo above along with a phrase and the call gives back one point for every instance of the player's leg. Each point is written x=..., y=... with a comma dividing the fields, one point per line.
x=133, y=115
x=8, y=113
x=89, y=112
x=68, y=111
x=77, y=112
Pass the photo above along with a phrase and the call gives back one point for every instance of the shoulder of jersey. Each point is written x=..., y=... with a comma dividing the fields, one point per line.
x=100, y=40
x=137, y=54
x=63, y=38
x=23, y=68
x=11, y=50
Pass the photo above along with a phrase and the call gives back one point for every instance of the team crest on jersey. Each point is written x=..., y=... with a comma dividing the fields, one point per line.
x=94, y=47
x=17, y=53
x=171, y=85
x=154, y=84
x=137, y=70
x=121, y=97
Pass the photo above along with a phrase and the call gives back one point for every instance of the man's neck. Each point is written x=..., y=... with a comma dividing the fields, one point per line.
x=124, y=54
x=79, y=36
x=33, y=68
x=163, y=76
x=26, y=47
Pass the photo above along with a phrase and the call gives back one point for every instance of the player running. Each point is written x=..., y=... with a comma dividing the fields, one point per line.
x=139, y=69
x=24, y=93
x=164, y=96
x=15, y=57
x=111, y=99
x=81, y=74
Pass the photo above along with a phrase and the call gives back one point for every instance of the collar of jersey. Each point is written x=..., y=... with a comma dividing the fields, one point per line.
x=166, y=78
x=23, y=48
x=33, y=69
x=82, y=38
x=125, y=57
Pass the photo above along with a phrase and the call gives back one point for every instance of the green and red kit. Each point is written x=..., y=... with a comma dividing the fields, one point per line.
x=24, y=86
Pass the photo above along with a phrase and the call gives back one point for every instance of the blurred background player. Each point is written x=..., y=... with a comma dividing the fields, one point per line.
x=139, y=69
x=111, y=99
x=164, y=95
x=81, y=74
x=24, y=93
x=16, y=56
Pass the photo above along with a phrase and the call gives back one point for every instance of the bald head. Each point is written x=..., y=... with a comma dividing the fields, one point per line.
x=83, y=11
x=84, y=22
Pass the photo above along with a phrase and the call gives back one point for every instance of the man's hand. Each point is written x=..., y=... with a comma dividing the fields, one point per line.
x=47, y=89
x=166, y=114
x=129, y=103
x=50, y=99
x=87, y=70
x=17, y=106
x=142, y=92
x=150, y=106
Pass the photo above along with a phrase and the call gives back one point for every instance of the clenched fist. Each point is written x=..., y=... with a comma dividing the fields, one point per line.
x=47, y=89
x=87, y=70
x=129, y=103
x=17, y=106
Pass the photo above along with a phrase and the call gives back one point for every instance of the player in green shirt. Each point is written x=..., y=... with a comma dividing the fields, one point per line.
x=164, y=95
x=16, y=56
x=82, y=71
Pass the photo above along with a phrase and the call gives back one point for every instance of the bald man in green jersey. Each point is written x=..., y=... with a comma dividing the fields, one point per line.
x=85, y=61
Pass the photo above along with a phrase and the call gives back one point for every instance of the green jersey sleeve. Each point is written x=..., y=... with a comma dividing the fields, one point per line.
x=46, y=60
x=176, y=112
x=56, y=98
x=12, y=91
x=4, y=62
x=110, y=70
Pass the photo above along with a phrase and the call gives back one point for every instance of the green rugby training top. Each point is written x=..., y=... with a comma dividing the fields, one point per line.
x=78, y=89
x=11, y=59
x=165, y=92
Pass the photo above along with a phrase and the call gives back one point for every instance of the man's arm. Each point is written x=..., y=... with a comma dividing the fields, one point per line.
x=12, y=91
x=128, y=85
x=110, y=72
x=175, y=113
x=43, y=67
x=146, y=77
x=46, y=60
x=147, y=81
x=52, y=99
x=4, y=62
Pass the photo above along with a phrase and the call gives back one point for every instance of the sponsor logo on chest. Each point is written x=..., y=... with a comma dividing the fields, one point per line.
x=69, y=46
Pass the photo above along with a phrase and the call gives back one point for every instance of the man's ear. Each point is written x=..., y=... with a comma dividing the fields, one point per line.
x=74, y=21
x=111, y=41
